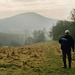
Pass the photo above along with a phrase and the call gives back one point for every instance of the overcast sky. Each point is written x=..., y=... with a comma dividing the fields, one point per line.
x=57, y=9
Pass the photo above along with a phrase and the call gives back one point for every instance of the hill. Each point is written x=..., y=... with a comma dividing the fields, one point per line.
x=11, y=39
x=37, y=59
x=25, y=23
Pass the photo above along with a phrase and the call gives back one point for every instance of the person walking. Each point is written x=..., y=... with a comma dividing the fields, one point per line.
x=67, y=43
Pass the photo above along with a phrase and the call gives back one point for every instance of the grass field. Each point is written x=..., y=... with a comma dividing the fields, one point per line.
x=43, y=58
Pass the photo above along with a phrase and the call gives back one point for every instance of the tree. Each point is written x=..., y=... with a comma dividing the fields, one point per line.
x=15, y=44
x=72, y=28
x=58, y=30
x=38, y=36
x=1, y=44
x=72, y=13
x=29, y=40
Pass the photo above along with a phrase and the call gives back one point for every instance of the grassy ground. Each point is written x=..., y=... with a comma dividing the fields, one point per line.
x=38, y=59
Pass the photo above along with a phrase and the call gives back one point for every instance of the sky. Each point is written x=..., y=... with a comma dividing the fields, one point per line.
x=56, y=9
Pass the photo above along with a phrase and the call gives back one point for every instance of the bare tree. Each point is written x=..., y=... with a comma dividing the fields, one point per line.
x=72, y=13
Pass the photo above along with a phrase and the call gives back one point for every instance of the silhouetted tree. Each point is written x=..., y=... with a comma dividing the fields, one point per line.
x=15, y=44
x=72, y=13
x=72, y=27
x=59, y=29
x=1, y=44
x=61, y=26
x=29, y=40
x=38, y=36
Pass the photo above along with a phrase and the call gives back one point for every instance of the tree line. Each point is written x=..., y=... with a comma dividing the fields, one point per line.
x=37, y=36
x=58, y=30
x=16, y=40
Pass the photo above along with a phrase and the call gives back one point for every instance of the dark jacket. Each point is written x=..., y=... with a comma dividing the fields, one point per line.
x=70, y=42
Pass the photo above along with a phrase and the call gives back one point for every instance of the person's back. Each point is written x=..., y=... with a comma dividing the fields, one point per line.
x=67, y=43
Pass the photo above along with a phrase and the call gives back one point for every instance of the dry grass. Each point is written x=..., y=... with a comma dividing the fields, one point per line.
x=43, y=58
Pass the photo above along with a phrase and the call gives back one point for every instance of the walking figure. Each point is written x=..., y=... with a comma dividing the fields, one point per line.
x=67, y=43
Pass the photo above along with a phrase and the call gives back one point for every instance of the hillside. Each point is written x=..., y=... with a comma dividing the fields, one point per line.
x=8, y=39
x=25, y=23
x=37, y=59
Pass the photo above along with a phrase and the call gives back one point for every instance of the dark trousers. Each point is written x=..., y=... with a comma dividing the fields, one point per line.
x=68, y=53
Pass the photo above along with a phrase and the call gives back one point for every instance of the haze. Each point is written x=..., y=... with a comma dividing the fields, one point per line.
x=57, y=9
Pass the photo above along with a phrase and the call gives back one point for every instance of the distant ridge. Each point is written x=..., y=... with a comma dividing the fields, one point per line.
x=25, y=23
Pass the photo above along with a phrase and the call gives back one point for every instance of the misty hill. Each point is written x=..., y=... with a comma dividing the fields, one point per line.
x=25, y=23
x=12, y=39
